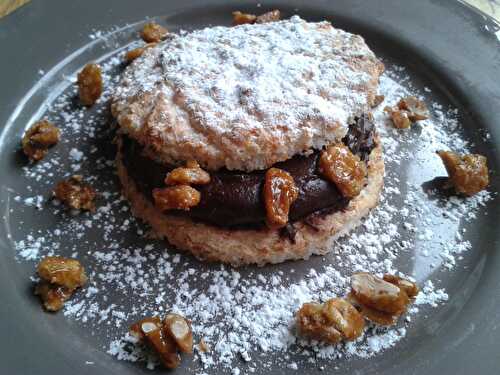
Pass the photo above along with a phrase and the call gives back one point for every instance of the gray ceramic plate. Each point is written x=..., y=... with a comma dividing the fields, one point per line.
x=446, y=46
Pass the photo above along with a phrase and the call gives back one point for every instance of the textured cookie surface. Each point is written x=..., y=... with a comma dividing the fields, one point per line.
x=246, y=97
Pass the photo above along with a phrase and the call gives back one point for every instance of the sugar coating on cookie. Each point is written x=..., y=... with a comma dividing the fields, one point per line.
x=249, y=96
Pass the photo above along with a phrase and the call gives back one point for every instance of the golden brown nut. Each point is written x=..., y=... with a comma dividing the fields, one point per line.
x=468, y=173
x=192, y=174
x=203, y=346
x=52, y=296
x=62, y=271
x=151, y=332
x=415, y=108
x=279, y=194
x=90, y=84
x=378, y=294
x=240, y=18
x=179, y=329
x=400, y=118
x=272, y=16
x=409, y=287
x=76, y=194
x=346, y=170
x=330, y=322
x=378, y=100
x=179, y=197
x=153, y=33
x=137, y=52
x=39, y=138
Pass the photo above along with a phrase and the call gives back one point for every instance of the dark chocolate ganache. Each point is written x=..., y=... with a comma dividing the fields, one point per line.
x=234, y=199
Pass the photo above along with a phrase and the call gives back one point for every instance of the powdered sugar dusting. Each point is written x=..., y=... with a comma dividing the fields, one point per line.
x=245, y=316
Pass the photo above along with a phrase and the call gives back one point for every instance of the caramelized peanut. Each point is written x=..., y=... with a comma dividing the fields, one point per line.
x=378, y=100
x=240, y=18
x=331, y=322
x=409, y=287
x=39, y=138
x=399, y=118
x=192, y=174
x=76, y=194
x=272, y=16
x=279, y=194
x=340, y=166
x=52, y=296
x=179, y=329
x=378, y=294
x=416, y=109
x=153, y=33
x=62, y=271
x=90, y=84
x=468, y=173
x=179, y=197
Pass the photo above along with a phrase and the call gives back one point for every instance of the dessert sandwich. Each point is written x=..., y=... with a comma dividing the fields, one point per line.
x=252, y=143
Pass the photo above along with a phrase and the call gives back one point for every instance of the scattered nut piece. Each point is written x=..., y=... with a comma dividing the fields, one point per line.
x=151, y=332
x=62, y=271
x=417, y=110
x=90, y=84
x=375, y=316
x=76, y=194
x=346, y=170
x=280, y=192
x=137, y=52
x=179, y=329
x=378, y=100
x=376, y=293
x=409, y=287
x=60, y=277
x=39, y=138
x=203, y=346
x=192, y=174
x=179, y=197
x=52, y=296
x=331, y=322
x=399, y=118
x=240, y=18
x=153, y=33
x=468, y=173
x=272, y=16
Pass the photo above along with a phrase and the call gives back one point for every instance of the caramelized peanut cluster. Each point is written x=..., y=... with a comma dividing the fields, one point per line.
x=137, y=52
x=60, y=277
x=345, y=169
x=90, y=84
x=468, y=174
x=330, y=322
x=408, y=110
x=166, y=337
x=381, y=301
x=39, y=138
x=279, y=192
x=240, y=18
x=75, y=194
x=181, y=196
x=153, y=33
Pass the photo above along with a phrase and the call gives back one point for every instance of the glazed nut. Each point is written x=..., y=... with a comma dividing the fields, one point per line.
x=399, y=118
x=240, y=18
x=409, y=287
x=179, y=329
x=39, y=138
x=272, y=16
x=192, y=174
x=415, y=108
x=137, y=52
x=52, y=296
x=74, y=193
x=378, y=294
x=330, y=322
x=373, y=315
x=280, y=192
x=468, y=173
x=339, y=165
x=60, y=271
x=377, y=100
x=179, y=197
x=89, y=84
x=153, y=33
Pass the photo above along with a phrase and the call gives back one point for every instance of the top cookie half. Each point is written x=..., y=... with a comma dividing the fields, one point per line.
x=248, y=96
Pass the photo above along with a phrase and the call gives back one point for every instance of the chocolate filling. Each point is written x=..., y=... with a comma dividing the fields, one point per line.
x=234, y=199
